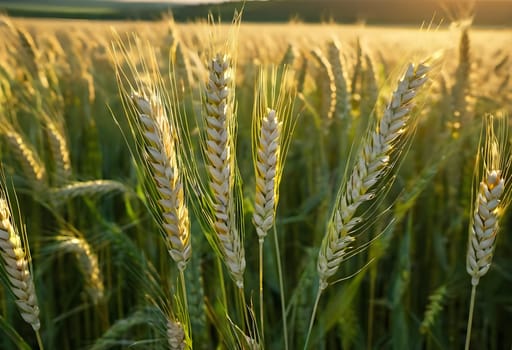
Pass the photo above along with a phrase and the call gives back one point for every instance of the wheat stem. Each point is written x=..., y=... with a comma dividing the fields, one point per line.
x=281, y=288
x=39, y=341
x=313, y=316
x=470, y=316
x=262, y=325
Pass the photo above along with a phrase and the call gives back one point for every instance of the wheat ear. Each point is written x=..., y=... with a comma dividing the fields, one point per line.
x=26, y=155
x=378, y=155
x=220, y=155
x=328, y=86
x=267, y=161
x=372, y=164
x=272, y=130
x=484, y=225
x=342, y=96
x=88, y=264
x=59, y=150
x=491, y=199
x=16, y=265
x=162, y=159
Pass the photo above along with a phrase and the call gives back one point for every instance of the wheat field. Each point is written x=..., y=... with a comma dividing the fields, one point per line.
x=254, y=186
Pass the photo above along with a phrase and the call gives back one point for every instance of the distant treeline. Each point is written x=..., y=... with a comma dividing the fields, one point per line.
x=489, y=12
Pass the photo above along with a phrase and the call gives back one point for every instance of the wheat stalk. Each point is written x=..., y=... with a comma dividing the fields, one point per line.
x=16, y=265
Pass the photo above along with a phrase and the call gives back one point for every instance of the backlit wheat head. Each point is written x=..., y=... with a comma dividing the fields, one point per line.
x=155, y=129
x=490, y=199
x=377, y=157
x=161, y=154
x=16, y=264
x=219, y=150
x=273, y=125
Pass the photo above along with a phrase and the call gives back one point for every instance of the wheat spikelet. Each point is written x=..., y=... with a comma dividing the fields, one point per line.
x=162, y=159
x=220, y=155
x=373, y=163
x=88, y=264
x=16, y=266
x=489, y=204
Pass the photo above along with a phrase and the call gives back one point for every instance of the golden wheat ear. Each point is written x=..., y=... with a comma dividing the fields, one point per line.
x=219, y=150
x=377, y=158
x=151, y=115
x=490, y=198
x=16, y=262
x=272, y=129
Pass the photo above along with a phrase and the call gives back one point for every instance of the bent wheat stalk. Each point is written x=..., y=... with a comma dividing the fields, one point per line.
x=380, y=152
x=489, y=203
